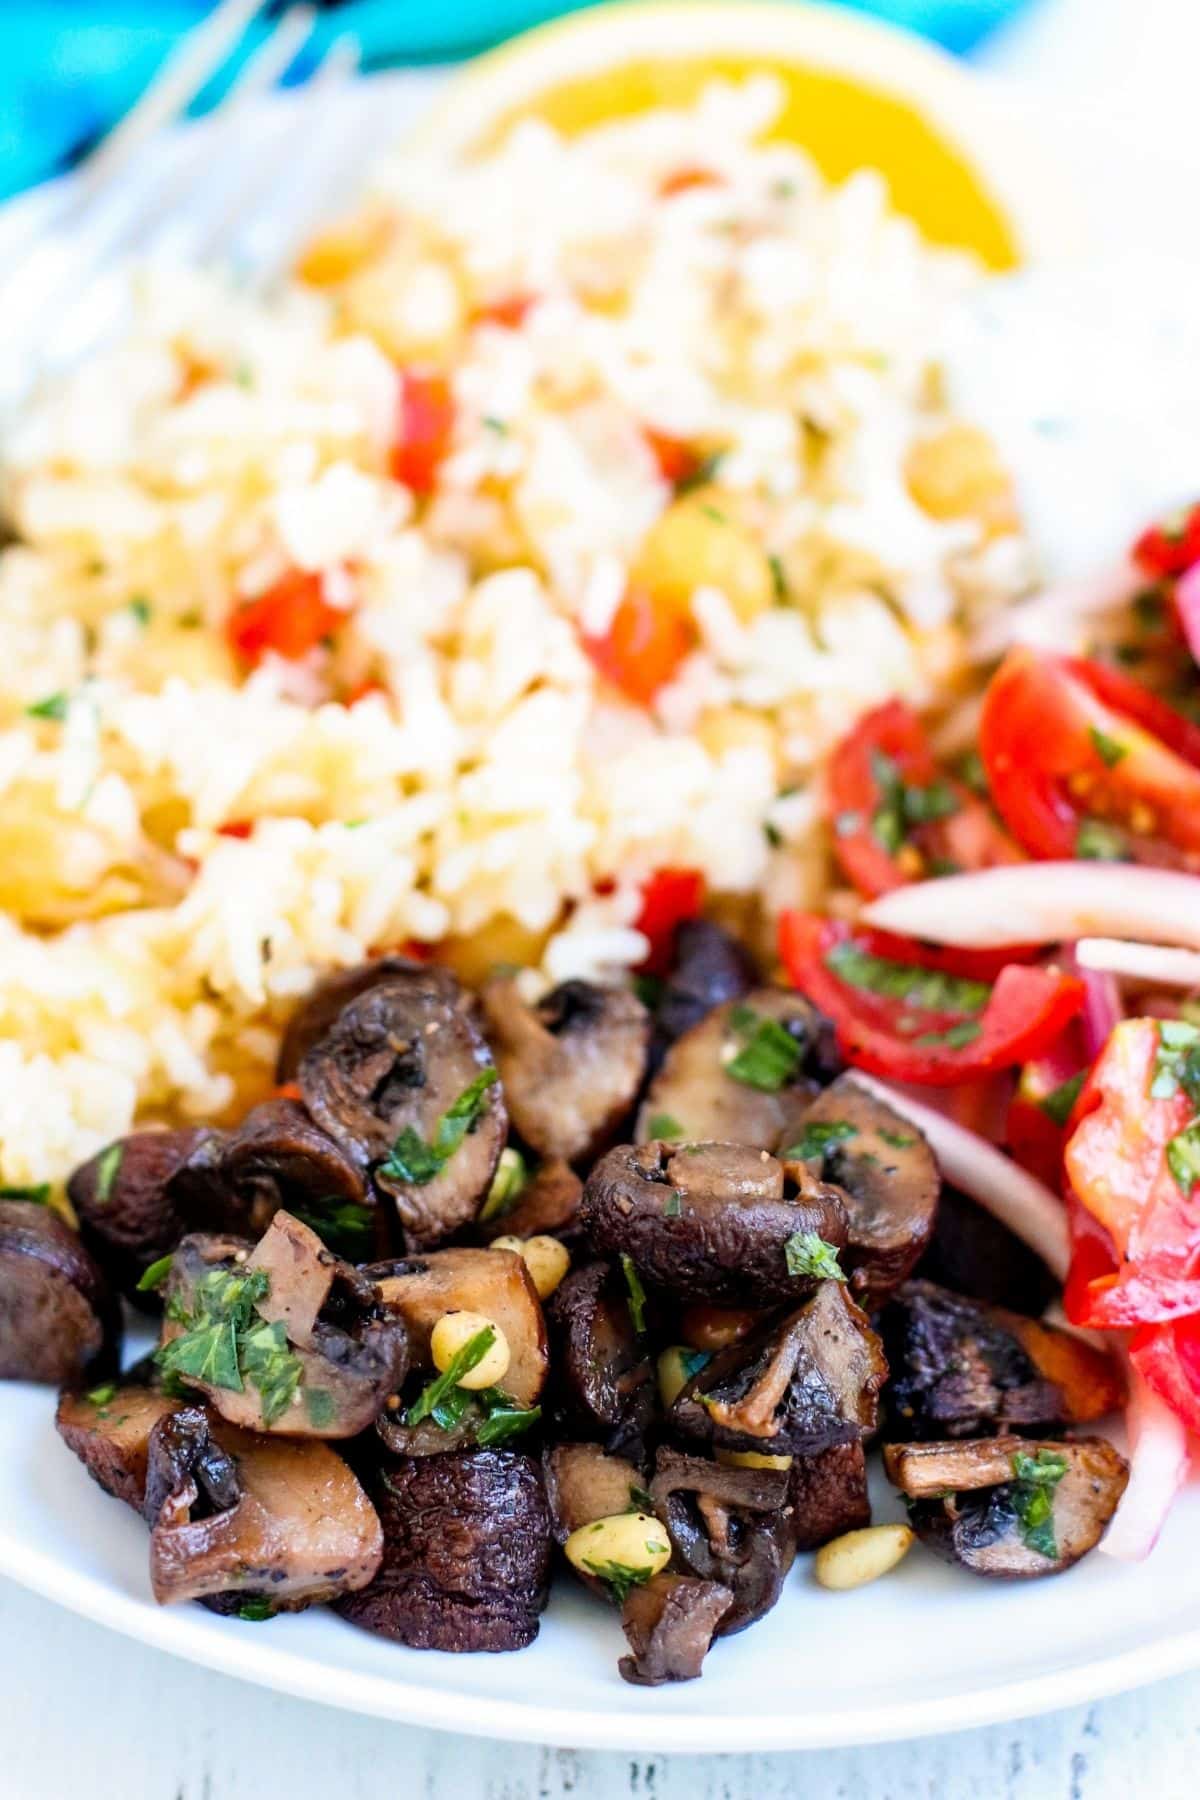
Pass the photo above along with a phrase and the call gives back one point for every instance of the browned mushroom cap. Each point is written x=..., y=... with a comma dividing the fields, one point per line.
x=316, y=1015
x=888, y=1174
x=129, y=1215
x=669, y=1622
x=286, y=1338
x=548, y=1205
x=827, y=1493
x=385, y=1082
x=744, y=1075
x=604, y=1385
x=710, y=967
x=1010, y=1507
x=973, y=1253
x=728, y=1525
x=265, y=1524
x=58, y=1316
x=714, y=1222
x=108, y=1429
x=962, y=1369
x=584, y=1483
x=466, y=1559
x=804, y=1384
x=571, y=1065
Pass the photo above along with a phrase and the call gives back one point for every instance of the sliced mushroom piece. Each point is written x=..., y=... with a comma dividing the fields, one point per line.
x=745, y=1074
x=400, y=1081
x=108, y=1429
x=961, y=1369
x=571, y=1065
x=804, y=1384
x=1011, y=1507
x=495, y=1284
x=711, y=967
x=129, y=1214
x=973, y=1253
x=670, y=1622
x=59, y=1319
x=711, y=1222
x=828, y=1495
x=604, y=1380
x=253, y=1525
x=317, y=1014
x=888, y=1175
x=548, y=1205
x=285, y=1338
x=277, y=1158
x=729, y=1525
x=466, y=1560
x=584, y=1483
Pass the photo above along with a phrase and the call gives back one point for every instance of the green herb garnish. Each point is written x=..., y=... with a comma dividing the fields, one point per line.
x=1035, y=1479
x=932, y=990
x=345, y=1226
x=1097, y=842
x=100, y=1396
x=54, y=706
x=769, y=1057
x=618, y=1578
x=903, y=805
x=319, y=1405
x=639, y=1500
x=153, y=1277
x=256, y=1609
x=972, y=774
x=808, y=1254
x=704, y=472
x=38, y=1195
x=637, y=1293
x=1060, y=1102
x=436, y=1391
x=673, y=1204
x=108, y=1167
x=649, y=990
x=269, y=1366
x=1177, y=1062
x=772, y=834
x=504, y=1419
x=225, y=1344
x=499, y=426
x=665, y=1125
x=1183, y=1158
x=414, y=1161
x=899, y=1140
x=1108, y=749
x=778, y=580
x=817, y=1136
x=141, y=609
x=955, y=1037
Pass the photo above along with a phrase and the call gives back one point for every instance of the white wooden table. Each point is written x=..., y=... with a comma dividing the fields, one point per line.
x=84, y=1711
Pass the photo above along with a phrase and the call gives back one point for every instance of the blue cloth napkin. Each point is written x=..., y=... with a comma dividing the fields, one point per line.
x=68, y=68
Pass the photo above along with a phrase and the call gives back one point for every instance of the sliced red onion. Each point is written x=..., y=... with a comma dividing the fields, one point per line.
x=1187, y=605
x=1018, y=1199
x=1045, y=903
x=1140, y=962
x=1102, y=1009
x=1159, y=1459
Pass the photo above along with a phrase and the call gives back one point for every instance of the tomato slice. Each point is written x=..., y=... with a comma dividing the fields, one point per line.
x=897, y=816
x=1084, y=763
x=290, y=619
x=899, y=1013
x=668, y=898
x=644, y=646
x=424, y=429
x=1168, y=1359
x=1133, y=1161
x=1171, y=546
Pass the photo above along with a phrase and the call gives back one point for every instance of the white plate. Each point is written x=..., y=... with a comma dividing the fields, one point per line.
x=928, y=1650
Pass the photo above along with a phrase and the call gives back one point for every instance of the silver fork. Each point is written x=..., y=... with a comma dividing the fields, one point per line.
x=194, y=195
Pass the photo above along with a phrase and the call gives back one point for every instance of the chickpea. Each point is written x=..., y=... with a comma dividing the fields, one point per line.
x=546, y=1259
x=701, y=541
x=453, y=1332
x=857, y=1557
x=634, y=1542
x=716, y=1327
x=752, y=1459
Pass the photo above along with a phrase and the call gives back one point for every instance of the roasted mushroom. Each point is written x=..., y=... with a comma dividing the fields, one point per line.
x=710, y=968
x=888, y=1175
x=129, y=1213
x=715, y=1222
x=604, y=1384
x=729, y=1525
x=827, y=1493
x=547, y=1205
x=284, y=1338
x=1010, y=1507
x=583, y=1483
x=960, y=1369
x=669, y=1623
x=571, y=1065
x=808, y=1382
x=973, y=1253
x=745, y=1074
x=108, y=1429
x=317, y=1014
x=253, y=1525
x=466, y=1560
x=59, y=1319
x=404, y=1083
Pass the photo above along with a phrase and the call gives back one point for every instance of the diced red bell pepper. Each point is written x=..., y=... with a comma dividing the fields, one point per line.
x=668, y=898
x=644, y=646
x=289, y=620
x=424, y=429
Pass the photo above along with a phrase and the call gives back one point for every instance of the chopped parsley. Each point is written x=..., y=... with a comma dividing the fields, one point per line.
x=225, y=1344
x=899, y=1140
x=108, y=1167
x=54, y=706
x=1183, y=1158
x=437, y=1391
x=153, y=1277
x=345, y=1226
x=808, y=1254
x=665, y=1125
x=972, y=774
x=1097, y=842
x=141, y=609
x=932, y=990
x=903, y=806
x=319, y=1405
x=955, y=1037
x=637, y=1293
x=673, y=1204
x=778, y=580
x=1177, y=1062
x=704, y=472
x=1034, y=1480
x=499, y=426
x=418, y=1163
x=1059, y=1103
x=38, y=1195
x=640, y=1500
x=619, y=1577
x=817, y=1137
x=100, y=1396
x=508, y=1184
x=772, y=834
x=714, y=513
x=769, y=1056
x=1108, y=749
x=503, y=1418
x=256, y=1609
